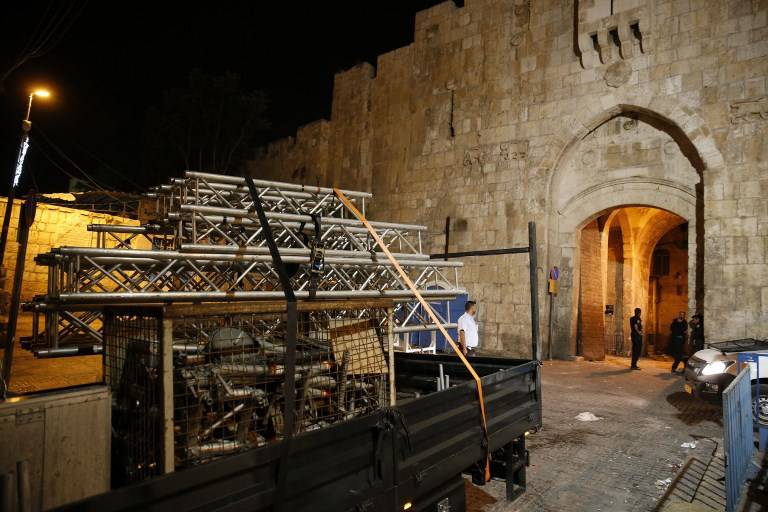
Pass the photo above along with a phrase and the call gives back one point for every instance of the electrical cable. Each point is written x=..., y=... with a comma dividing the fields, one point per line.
x=111, y=169
x=104, y=206
x=49, y=33
x=64, y=156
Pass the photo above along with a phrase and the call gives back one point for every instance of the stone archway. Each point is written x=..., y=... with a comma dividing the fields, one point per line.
x=592, y=177
x=616, y=271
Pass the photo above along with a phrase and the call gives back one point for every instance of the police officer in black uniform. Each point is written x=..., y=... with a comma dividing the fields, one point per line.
x=636, y=328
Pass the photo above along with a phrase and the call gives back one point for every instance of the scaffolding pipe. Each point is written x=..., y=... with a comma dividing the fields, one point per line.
x=238, y=180
x=225, y=190
x=421, y=328
x=150, y=257
x=150, y=229
x=292, y=251
x=241, y=213
x=174, y=296
x=246, y=223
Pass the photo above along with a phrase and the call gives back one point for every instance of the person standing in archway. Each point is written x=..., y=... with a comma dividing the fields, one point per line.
x=697, y=332
x=636, y=330
x=679, y=329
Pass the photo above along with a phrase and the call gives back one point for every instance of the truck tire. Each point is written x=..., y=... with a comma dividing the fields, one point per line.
x=760, y=405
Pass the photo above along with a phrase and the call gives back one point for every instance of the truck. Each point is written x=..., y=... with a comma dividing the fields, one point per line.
x=410, y=456
x=222, y=408
x=710, y=370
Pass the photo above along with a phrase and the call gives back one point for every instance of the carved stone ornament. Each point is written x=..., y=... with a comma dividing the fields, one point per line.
x=617, y=74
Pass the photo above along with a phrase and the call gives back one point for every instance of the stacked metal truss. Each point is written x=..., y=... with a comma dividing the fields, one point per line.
x=206, y=244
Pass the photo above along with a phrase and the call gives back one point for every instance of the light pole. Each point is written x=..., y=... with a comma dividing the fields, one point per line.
x=26, y=126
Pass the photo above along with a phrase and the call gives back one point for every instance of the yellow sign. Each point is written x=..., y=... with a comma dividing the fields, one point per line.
x=553, y=286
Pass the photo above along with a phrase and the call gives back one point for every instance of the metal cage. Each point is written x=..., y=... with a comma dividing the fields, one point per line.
x=194, y=383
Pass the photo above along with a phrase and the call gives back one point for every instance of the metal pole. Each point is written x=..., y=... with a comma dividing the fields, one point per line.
x=238, y=180
x=26, y=219
x=24, y=488
x=6, y=222
x=549, y=330
x=26, y=126
x=535, y=350
x=489, y=252
x=391, y=353
x=447, y=234
x=235, y=215
x=139, y=296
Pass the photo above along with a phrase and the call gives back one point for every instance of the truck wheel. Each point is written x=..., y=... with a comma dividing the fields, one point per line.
x=760, y=405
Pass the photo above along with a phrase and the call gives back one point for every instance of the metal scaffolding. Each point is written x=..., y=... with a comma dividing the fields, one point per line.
x=206, y=244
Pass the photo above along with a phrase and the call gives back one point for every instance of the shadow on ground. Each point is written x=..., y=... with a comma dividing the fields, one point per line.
x=757, y=492
x=692, y=410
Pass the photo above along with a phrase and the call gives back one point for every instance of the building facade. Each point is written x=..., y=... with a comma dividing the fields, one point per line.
x=633, y=132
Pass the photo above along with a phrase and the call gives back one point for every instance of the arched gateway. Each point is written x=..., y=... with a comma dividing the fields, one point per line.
x=626, y=187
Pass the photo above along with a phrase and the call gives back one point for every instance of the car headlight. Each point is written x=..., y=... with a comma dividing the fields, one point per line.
x=716, y=367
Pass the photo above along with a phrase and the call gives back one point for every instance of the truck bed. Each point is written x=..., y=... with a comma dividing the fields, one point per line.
x=412, y=453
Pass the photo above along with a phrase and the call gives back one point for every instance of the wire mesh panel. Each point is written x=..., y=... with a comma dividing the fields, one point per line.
x=229, y=369
x=133, y=370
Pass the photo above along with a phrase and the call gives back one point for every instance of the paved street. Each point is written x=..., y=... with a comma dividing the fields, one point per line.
x=616, y=462
x=30, y=374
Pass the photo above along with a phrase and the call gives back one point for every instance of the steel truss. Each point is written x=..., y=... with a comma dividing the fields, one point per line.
x=207, y=245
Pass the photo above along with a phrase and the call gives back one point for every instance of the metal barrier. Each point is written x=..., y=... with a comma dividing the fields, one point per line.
x=737, y=428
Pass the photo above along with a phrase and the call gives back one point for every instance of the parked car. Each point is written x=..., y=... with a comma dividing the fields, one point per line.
x=709, y=371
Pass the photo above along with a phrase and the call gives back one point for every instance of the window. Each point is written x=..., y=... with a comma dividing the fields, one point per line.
x=660, y=264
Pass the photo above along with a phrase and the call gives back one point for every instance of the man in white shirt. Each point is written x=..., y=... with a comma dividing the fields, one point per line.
x=467, y=328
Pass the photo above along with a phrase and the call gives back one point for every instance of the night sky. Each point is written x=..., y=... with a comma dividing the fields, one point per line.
x=117, y=58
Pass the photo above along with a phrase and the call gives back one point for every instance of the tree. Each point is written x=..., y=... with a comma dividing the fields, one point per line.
x=208, y=126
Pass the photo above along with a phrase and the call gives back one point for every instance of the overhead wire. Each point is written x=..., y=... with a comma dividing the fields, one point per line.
x=69, y=174
x=69, y=160
x=55, y=163
x=111, y=169
x=49, y=32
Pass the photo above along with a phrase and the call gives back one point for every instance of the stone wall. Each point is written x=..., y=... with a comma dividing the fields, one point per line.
x=54, y=226
x=303, y=159
x=487, y=117
x=592, y=320
x=672, y=288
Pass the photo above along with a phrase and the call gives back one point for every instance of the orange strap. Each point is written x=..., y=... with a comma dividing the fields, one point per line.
x=432, y=315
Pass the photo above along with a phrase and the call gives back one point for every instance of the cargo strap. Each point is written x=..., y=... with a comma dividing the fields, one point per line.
x=316, y=257
x=391, y=421
x=316, y=252
x=289, y=386
x=485, y=441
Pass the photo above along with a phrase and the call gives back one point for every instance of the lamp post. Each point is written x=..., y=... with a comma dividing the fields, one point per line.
x=26, y=126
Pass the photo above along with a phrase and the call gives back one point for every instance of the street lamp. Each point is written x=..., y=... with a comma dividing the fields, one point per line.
x=26, y=126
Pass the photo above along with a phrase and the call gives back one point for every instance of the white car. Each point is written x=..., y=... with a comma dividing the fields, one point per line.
x=709, y=371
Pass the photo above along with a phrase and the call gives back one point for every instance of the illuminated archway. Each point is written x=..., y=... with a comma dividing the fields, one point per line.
x=577, y=199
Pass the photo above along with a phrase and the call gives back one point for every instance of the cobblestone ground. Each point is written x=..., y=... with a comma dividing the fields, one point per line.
x=619, y=462
x=29, y=374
